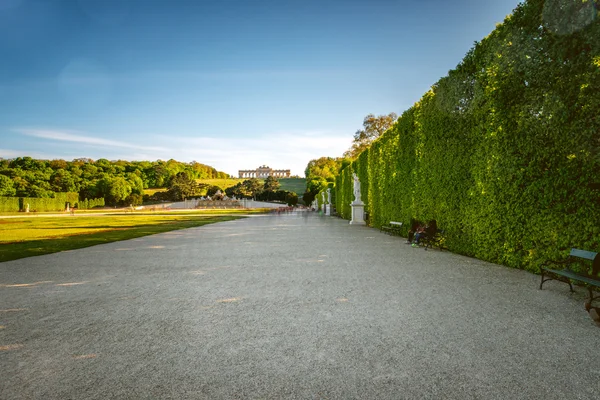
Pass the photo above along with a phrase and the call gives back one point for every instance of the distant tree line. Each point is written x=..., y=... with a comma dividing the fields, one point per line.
x=118, y=182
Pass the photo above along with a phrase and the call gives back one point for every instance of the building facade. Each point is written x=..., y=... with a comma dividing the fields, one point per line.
x=264, y=171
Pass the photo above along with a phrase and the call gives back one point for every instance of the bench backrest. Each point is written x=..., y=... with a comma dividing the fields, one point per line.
x=588, y=255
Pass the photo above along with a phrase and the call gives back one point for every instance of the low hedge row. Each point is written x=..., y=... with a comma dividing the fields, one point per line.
x=56, y=203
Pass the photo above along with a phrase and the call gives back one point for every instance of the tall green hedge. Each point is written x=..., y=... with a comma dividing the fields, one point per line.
x=319, y=196
x=56, y=203
x=9, y=204
x=504, y=152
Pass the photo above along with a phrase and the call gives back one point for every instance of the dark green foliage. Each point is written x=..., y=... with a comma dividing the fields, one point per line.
x=271, y=184
x=504, y=152
x=182, y=186
x=291, y=199
x=212, y=190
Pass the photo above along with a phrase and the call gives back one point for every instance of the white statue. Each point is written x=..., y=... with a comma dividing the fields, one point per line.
x=323, y=197
x=356, y=188
x=328, y=195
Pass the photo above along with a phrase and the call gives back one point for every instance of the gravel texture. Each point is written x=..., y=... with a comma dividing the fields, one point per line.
x=296, y=306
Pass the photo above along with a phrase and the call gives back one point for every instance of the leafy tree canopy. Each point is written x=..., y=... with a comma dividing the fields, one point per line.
x=271, y=184
x=373, y=127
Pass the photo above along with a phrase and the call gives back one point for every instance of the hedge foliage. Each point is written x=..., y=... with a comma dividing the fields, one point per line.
x=89, y=204
x=56, y=203
x=504, y=152
x=9, y=204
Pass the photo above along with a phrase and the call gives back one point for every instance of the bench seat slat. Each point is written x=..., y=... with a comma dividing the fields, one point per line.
x=573, y=275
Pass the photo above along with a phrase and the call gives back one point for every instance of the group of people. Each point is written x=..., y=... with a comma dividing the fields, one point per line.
x=419, y=231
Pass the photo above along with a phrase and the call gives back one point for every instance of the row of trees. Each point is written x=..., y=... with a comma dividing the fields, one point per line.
x=119, y=182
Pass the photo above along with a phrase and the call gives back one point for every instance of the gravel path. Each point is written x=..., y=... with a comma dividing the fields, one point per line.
x=294, y=306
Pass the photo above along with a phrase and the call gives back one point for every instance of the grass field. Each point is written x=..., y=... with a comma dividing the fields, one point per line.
x=26, y=237
x=297, y=185
x=151, y=191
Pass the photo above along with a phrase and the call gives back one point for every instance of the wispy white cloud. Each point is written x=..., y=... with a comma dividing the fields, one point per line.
x=77, y=137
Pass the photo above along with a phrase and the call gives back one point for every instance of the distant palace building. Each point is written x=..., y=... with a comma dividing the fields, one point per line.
x=264, y=172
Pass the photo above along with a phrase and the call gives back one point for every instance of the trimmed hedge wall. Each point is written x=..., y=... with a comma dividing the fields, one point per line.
x=504, y=152
x=56, y=203
x=89, y=204
x=9, y=204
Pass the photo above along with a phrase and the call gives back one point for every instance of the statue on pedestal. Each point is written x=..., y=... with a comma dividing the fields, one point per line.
x=356, y=188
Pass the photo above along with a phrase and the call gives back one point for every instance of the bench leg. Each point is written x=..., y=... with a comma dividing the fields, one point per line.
x=559, y=278
x=592, y=298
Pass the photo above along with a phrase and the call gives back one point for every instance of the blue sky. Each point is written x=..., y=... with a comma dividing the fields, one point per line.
x=232, y=84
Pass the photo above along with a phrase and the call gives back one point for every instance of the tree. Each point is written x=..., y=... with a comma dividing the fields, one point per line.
x=251, y=187
x=7, y=188
x=113, y=189
x=308, y=198
x=212, y=190
x=373, y=127
x=183, y=186
x=63, y=181
x=291, y=199
x=235, y=190
x=118, y=190
x=271, y=184
x=324, y=167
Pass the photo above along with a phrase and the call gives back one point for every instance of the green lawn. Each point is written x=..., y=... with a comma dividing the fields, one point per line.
x=26, y=237
x=151, y=191
x=297, y=185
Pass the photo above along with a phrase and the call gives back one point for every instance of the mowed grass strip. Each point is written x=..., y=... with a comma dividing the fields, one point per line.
x=26, y=237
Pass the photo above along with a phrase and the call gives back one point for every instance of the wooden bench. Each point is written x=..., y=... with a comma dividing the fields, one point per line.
x=434, y=240
x=393, y=228
x=567, y=274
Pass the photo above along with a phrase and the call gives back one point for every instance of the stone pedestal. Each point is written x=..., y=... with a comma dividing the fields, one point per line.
x=328, y=209
x=358, y=213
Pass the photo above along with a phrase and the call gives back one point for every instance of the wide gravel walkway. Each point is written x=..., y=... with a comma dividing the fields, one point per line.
x=287, y=307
